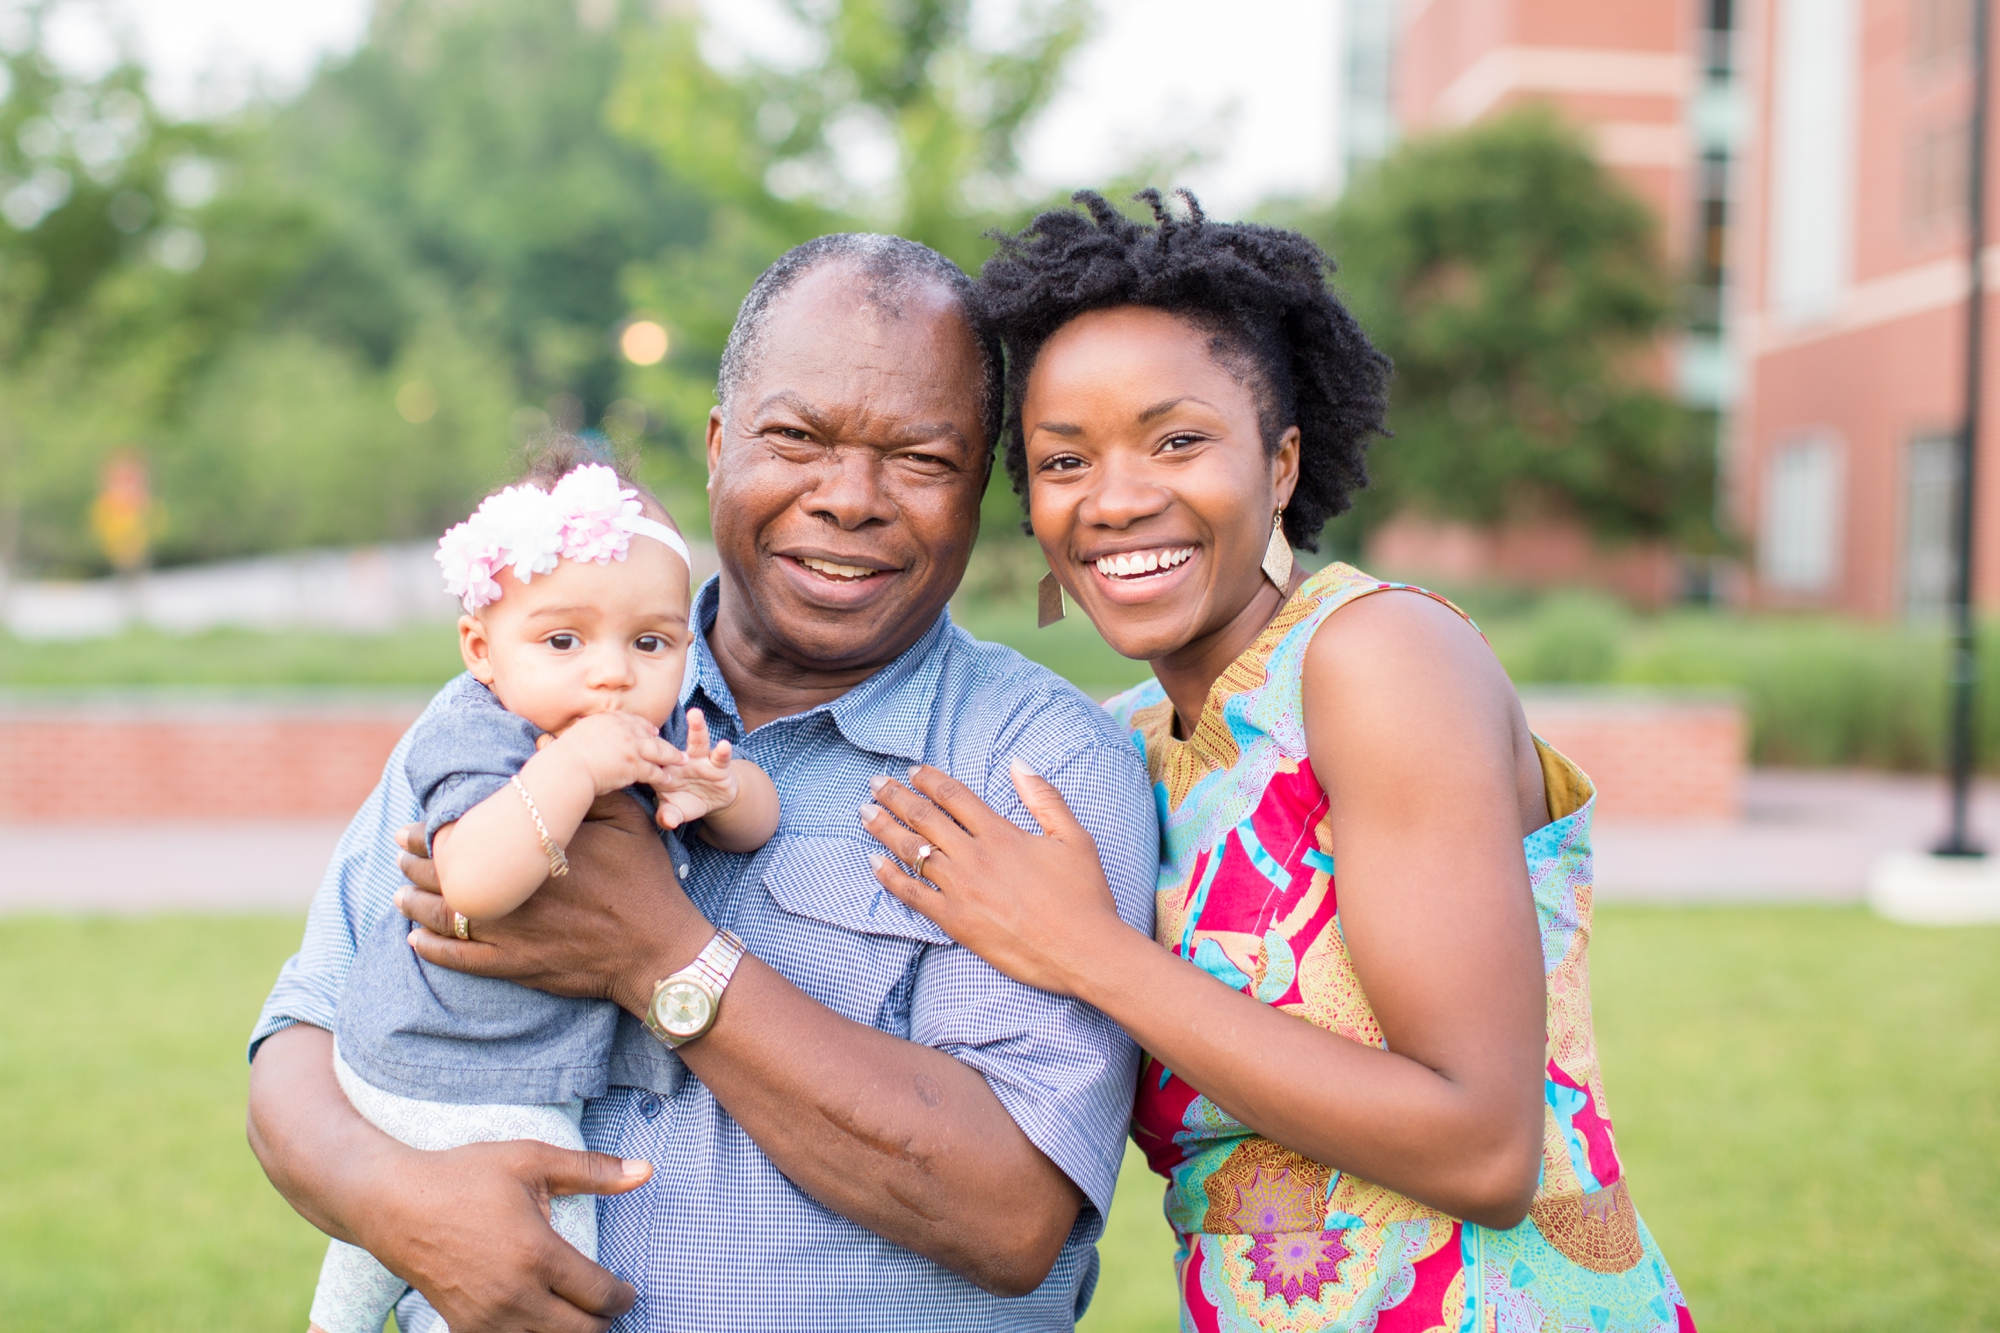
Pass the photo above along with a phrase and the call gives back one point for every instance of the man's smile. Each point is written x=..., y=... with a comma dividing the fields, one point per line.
x=835, y=570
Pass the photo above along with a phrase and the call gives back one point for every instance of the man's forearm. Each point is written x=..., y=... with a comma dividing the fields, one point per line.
x=895, y=1136
x=309, y=1138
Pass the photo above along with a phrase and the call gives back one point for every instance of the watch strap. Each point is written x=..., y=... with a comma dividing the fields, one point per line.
x=716, y=963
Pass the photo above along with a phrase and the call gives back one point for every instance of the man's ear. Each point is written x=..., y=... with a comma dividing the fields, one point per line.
x=475, y=648
x=714, y=442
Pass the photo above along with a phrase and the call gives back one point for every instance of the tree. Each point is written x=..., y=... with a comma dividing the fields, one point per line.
x=781, y=154
x=316, y=319
x=1520, y=290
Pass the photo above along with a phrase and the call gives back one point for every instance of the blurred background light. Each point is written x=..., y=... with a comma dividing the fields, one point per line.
x=416, y=402
x=644, y=343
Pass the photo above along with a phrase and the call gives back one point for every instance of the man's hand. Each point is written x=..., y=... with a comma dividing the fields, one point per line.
x=607, y=930
x=469, y=1228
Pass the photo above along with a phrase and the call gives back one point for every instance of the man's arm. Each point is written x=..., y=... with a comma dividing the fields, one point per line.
x=468, y=1228
x=898, y=1137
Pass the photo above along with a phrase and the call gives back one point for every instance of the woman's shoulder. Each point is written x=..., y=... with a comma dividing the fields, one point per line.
x=1334, y=588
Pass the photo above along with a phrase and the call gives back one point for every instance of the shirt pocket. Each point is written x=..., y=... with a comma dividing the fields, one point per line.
x=831, y=929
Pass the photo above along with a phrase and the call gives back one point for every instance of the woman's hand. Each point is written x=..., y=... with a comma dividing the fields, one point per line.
x=1036, y=908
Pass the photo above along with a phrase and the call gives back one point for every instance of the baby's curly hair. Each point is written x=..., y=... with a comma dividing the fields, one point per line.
x=1259, y=292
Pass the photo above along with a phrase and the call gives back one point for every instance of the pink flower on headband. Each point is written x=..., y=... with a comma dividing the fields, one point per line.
x=593, y=506
x=588, y=516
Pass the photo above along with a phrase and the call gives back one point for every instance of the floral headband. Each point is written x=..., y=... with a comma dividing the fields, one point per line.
x=588, y=516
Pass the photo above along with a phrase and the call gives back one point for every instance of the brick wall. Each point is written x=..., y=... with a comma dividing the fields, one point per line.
x=184, y=761
x=1652, y=756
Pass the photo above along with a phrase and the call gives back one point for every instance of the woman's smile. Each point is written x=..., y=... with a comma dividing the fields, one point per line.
x=1129, y=577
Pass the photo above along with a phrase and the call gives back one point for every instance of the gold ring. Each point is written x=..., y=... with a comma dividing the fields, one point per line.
x=924, y=853
x=460, y=926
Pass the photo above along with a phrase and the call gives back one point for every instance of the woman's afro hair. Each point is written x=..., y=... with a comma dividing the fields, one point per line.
x=1259, y=292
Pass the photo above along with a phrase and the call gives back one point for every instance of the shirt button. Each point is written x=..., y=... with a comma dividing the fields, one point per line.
x=649, y=1106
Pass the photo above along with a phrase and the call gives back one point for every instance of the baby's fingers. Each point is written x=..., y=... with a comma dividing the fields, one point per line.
x=720, y=755
x=656, y=750
x=698, y=742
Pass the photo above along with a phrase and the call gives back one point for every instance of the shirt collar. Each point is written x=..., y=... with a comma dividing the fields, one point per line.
x=888, y=713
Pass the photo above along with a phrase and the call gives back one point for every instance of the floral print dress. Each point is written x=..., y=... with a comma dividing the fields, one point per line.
x=1270, y=1240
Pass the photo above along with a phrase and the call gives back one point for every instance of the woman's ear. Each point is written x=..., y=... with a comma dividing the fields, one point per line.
x=475, y=648
x=1285, y=466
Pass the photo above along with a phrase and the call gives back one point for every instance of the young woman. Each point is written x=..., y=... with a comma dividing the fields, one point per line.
x=1374, y=1091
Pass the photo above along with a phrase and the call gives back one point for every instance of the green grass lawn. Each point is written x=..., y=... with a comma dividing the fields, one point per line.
x=1808, y=1103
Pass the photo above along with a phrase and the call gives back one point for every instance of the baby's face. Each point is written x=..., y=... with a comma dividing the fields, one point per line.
x=585, y=639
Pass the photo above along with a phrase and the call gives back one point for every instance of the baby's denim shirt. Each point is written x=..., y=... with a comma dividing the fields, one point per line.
x=422, y=1031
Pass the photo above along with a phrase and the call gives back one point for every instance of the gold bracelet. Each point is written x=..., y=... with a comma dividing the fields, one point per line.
x=558, y=863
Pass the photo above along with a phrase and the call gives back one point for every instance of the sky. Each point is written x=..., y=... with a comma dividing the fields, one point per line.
x=1255, y=89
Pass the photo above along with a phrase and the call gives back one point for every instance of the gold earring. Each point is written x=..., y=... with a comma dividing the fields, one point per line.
x=1049, y=606
x=1278, y=554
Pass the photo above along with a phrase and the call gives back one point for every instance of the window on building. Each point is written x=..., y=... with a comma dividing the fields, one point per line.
x=1930, y=489
x=1817, y=54
x=1368, y=96
x=1939, y=157
x=1799, y=542
x=1939, y=28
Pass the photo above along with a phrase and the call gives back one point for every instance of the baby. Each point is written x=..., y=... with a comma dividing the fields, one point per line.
x=575, y=638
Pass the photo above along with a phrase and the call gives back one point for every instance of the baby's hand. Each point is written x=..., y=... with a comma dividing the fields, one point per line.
x=700, y=783
x=618, y=750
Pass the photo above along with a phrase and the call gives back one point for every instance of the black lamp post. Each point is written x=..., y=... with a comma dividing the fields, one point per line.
x=1965, y=643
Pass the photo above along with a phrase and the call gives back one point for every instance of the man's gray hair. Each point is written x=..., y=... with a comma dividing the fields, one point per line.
x=892, y=266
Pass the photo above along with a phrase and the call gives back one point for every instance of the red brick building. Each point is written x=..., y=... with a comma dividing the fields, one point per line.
x=1849, y=305
x=1653, y=84
x=1808, y=161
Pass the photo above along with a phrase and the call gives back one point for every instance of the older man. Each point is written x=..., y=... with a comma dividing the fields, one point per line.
x=878, y=1131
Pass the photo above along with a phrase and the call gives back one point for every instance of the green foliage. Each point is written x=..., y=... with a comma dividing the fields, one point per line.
x=332, y=320
x=781, y=154
x=1820, y=692
x=1520, y=290
x=1572, y=636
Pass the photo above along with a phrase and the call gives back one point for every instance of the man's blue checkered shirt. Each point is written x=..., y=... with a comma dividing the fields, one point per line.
x=719, y=1239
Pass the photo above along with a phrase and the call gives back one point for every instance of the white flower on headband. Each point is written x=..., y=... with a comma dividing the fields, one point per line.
x=588, y=516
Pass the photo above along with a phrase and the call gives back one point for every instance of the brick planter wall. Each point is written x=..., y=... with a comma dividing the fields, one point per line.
x=1652, y=756
x=180, y=761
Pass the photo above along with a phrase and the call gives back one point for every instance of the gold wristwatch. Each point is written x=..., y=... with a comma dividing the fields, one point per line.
x=685, y=1004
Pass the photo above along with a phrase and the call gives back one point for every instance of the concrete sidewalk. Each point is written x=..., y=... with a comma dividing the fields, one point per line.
x=266, y=866
x=1806, y=837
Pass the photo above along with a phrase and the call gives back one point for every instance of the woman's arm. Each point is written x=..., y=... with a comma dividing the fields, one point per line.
x=1411, y=727
x=468, y=1228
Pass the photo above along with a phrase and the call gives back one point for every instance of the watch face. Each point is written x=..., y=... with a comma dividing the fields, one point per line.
x=683, y=1009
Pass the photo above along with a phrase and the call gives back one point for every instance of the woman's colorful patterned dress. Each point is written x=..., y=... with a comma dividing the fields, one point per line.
x=1269, y=1239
